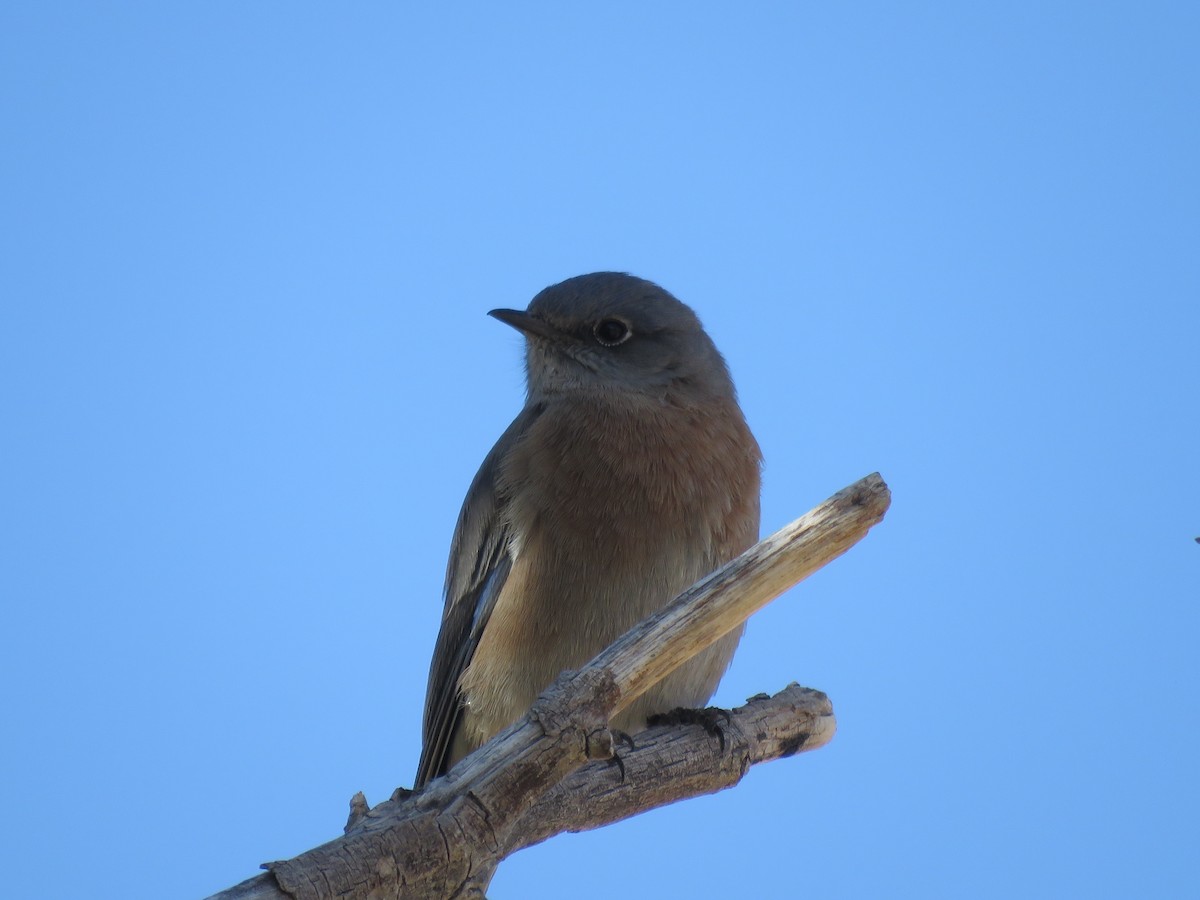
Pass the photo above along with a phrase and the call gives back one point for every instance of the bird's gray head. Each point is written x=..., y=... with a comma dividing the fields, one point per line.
x=613, y=332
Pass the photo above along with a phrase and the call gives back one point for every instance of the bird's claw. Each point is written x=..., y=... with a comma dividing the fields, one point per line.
x=707, y=718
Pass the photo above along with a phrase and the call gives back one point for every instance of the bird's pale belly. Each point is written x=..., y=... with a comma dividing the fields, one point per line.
x=531, y=638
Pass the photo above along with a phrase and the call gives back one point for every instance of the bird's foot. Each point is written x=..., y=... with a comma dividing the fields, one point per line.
x=710, y=718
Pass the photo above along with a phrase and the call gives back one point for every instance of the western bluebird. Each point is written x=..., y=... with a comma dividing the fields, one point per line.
x=629, y=475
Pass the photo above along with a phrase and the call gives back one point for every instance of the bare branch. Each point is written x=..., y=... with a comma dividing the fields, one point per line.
x=722, y=601
x=671, y=763
x=446, y=840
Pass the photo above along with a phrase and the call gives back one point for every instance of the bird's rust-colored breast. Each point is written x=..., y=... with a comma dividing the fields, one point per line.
x=640, y=500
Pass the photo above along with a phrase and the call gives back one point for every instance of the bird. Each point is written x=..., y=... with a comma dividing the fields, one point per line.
x=629, y=474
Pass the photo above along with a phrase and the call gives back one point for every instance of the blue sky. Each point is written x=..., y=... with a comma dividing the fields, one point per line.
x=246, y=377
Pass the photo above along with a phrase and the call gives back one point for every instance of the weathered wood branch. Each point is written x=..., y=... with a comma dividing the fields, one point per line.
x=515, y=791
x=671, y=763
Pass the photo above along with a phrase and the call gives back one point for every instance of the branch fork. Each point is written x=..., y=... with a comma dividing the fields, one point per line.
x=551, y=771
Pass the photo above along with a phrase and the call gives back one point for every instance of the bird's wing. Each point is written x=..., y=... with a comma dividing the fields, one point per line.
x=481, y=556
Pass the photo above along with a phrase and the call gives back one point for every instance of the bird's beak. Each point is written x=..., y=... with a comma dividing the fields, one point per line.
x=524, y=322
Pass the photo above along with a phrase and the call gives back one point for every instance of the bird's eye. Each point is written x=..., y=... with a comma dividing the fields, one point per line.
x=611, y=332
